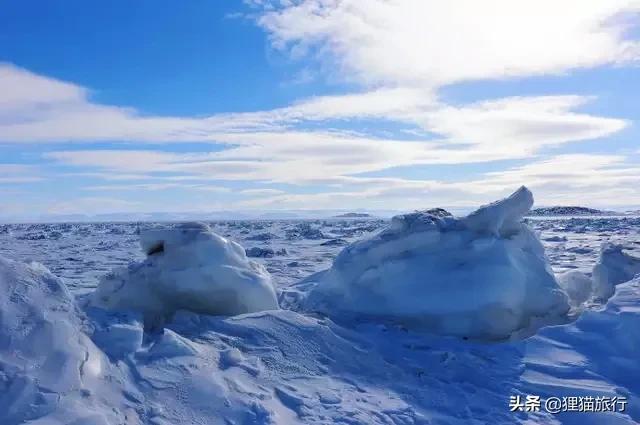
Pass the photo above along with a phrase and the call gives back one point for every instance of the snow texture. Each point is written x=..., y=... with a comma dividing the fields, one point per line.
x=187, y=268
x=63, y=361
x=48, y=365
x=282, y=367
x=481, y=276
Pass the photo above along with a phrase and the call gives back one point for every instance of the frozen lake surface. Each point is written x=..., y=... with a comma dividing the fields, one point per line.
x=83, y=252
x=283, y=367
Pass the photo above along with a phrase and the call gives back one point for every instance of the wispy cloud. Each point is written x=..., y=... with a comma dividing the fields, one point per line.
x=157, y=186
x=94, y=205
x=598, y=180
x=269, y=145
x=19, y=173
x=65, y=113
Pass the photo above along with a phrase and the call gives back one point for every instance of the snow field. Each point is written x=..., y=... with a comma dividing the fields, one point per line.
x=192, y=334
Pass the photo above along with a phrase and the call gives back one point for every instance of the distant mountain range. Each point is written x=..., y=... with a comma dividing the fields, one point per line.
x=570, y=211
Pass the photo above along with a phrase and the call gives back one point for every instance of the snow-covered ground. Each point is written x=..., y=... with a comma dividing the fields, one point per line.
x=66, y=359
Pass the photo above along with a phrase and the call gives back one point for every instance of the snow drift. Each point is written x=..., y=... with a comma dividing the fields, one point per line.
x=48, y=365
x=596, y=354
x=62, y=365
x=480, y=276
x=187, y=268
x=614, y=267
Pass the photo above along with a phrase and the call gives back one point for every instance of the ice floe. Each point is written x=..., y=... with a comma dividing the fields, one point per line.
x=188, y=267
x=481, y=276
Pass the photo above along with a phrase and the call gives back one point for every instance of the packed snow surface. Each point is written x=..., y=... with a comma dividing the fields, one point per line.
x=188, y=268
x=482, y=276
x=64, y=360
x=48, y=364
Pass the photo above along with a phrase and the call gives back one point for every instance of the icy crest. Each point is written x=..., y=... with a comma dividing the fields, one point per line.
x=188, y=267
x=480, y=276
x=502, y=217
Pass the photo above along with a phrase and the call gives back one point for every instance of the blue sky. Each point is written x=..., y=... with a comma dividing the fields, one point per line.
x=146, y=106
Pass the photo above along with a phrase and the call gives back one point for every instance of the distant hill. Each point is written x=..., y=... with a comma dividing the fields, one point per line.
x=353, y=215
x=568, y=210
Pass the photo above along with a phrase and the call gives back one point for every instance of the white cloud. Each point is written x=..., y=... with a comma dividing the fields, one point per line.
x=389, y=103
x=261, y=192
x=267, y=145
x=23, y=89
x=582, y=179
x=607, y=179
x=18, y=173
x=94, y=205
x=520, y=123
x=400, y=53
x=117, y=160
x=71, y=116
x=432, y=43
x=19, y=179
x=158, y=187
x=36, y=108
x=580, y=172
x=505, y=129
x=297, y=158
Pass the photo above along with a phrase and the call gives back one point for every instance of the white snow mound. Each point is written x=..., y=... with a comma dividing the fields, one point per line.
x=47, y=363
x=577, y=285
x=188, y=267
x=613, y=268
x=481, y=276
